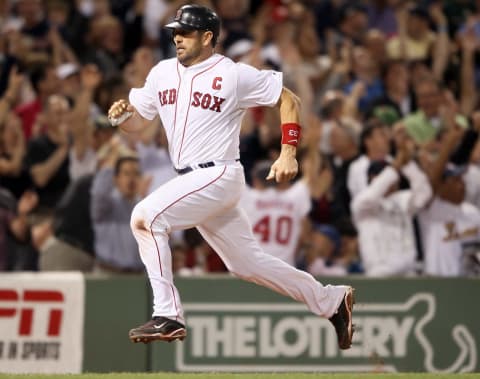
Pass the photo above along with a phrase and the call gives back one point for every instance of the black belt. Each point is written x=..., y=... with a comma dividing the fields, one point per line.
x=185, y=170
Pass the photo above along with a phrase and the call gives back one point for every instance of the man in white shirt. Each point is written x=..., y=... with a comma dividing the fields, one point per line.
x=374, y=146
x=383, y=215
x=450, y=226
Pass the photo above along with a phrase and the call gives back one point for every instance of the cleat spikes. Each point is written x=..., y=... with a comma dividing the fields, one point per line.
x=158, y=329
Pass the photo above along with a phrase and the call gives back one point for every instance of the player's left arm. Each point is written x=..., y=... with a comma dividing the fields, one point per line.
x=286, y=166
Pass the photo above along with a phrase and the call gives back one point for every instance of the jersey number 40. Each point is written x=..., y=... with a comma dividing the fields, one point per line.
x=280, y=229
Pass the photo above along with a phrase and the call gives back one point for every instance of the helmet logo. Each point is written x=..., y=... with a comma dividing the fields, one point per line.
x=178, y=16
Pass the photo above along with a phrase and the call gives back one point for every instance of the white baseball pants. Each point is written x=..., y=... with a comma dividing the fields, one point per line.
x=207, y=198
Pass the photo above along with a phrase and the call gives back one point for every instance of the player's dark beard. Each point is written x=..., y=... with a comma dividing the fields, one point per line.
x=191, y=55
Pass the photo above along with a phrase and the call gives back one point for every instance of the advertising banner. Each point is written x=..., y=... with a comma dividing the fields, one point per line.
x=402, y=325
x=41, y=322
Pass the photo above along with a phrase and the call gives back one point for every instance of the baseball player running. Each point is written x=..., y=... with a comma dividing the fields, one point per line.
x=201, y=98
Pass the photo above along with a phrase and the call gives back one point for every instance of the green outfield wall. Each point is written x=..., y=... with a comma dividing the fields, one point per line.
x=401, y=325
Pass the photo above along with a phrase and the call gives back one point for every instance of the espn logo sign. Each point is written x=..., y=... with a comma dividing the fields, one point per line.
x=25, y=300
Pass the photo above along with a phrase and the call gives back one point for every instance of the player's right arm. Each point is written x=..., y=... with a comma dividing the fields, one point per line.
x=134, y=114
x=124, y=115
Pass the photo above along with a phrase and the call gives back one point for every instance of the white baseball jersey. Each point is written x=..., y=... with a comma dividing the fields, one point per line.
x=357, y=179
x=276, y=217
x=385, y=223
x=447, y=230
x=202, y=106
x=357, y=176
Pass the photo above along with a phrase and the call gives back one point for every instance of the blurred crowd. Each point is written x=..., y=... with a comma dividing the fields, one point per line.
x=389, y=180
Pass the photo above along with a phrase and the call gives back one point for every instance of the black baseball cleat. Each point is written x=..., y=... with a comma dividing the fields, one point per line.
x=158, y=329
x=342, y=320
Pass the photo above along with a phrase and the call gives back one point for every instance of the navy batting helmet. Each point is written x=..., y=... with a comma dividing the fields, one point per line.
x=196, y=17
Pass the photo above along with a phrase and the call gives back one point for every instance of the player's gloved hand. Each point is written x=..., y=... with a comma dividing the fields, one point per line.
x=119, y=112
x=285, y=167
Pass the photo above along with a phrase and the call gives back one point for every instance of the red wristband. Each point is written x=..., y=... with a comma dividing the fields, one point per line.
x=291, y=133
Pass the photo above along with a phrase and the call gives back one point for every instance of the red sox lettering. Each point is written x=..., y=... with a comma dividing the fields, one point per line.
x=203, y=100
x=207, y=101
x=168, y=96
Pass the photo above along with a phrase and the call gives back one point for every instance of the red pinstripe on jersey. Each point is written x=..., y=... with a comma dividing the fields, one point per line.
x=176, y=102
x=189, y=104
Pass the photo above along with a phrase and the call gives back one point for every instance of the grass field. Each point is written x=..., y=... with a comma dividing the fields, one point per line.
x=169, y=375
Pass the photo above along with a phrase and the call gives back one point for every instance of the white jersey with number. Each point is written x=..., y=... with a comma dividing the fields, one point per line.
x=276, y=217
x=202, y=106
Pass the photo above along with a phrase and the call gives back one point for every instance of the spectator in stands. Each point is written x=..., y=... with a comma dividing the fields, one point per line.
x=13, y=175
x=414, y=40
x=322, y=252
x=349, y=255
x=381, y=16
x=344, y=141
x=69, y=245
x=66, y=241
x=425, y=124
x=15, y=252
x=384, y=214
x=136, y=71
x=47, y=155
x=366, y=77
x=374, y=146
x=35, y=30
x=116, y=189
x=396, y=101
x=82, y=154
x=331, y=112
x=317, y=172
x=106, y=47
x=315, y=64
x=449, y=225
x=276, y=212
x=112, y=41
x=10, y=97
x=337, y=107
x=69, y=22
x=235, y=17
x=472, y=173
x=44, y=81
x=375, y=42
x=352, y=22
x=153, y=155
x=69, y=81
